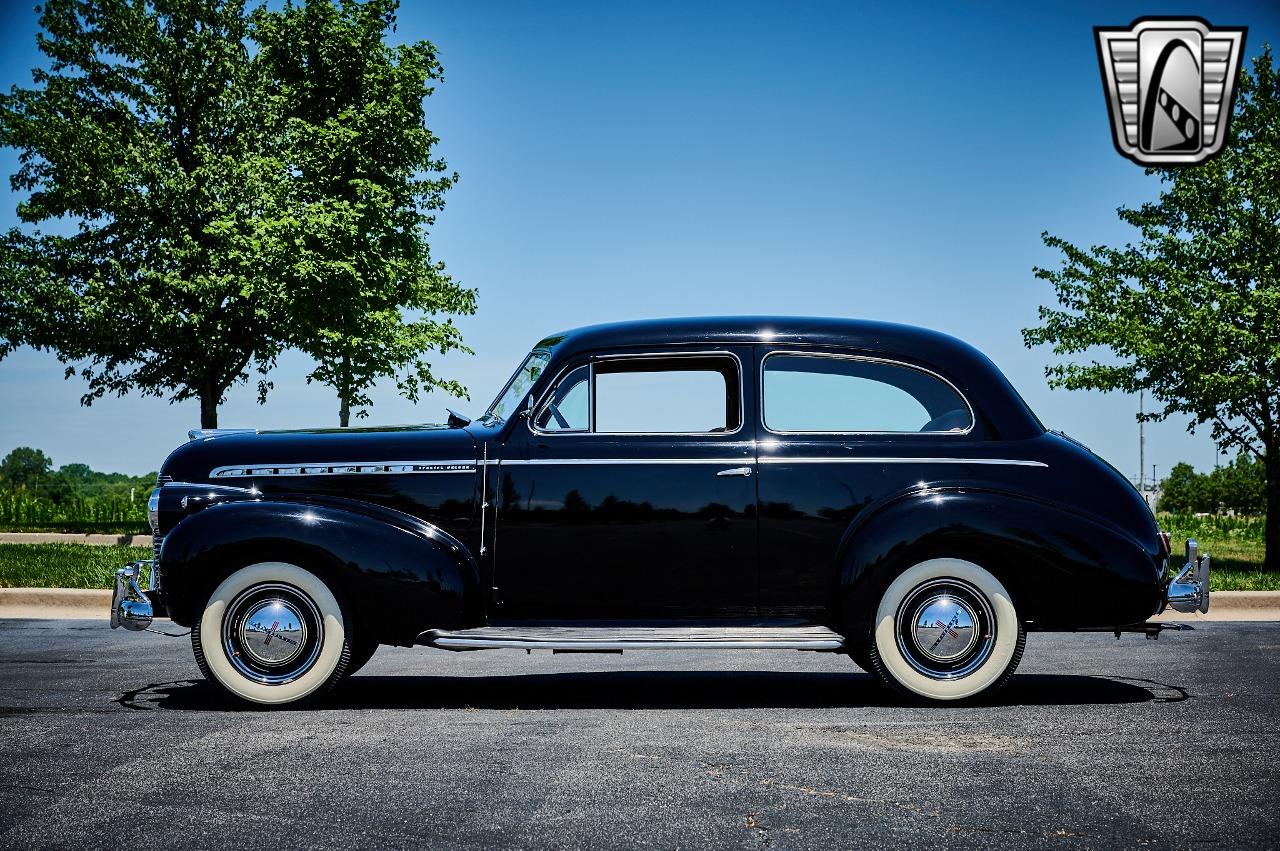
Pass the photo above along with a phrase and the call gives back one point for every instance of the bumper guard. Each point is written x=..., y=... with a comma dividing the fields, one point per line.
x=1189, y=590
x=130, y=606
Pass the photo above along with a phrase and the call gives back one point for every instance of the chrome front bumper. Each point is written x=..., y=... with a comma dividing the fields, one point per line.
x=1189, y=590
x=130, y=606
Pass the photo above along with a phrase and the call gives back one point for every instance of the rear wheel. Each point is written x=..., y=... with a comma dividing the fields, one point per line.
x=272, y=633
x=945, y=630
x=361, y=653
x=861, y=656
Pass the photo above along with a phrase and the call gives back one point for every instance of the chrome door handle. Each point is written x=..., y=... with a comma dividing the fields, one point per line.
x=735, y=471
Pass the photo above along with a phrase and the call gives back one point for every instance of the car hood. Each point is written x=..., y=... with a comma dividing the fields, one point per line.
x=195, y=461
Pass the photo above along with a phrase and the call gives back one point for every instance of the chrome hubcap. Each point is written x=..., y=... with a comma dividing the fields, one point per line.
x=946, y=629
x=272, y=633
x=943, y=628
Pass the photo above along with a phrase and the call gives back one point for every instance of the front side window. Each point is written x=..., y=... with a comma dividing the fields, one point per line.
x=812, y=393
x=657, y=395
x=569, y=406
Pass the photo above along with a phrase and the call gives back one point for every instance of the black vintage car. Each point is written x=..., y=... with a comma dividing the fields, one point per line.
x=768, y=483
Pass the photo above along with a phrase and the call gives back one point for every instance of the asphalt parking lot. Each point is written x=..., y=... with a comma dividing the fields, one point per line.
x=110, y=740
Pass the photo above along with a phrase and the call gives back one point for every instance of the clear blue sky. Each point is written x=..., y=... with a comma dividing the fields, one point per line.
x=661, y=159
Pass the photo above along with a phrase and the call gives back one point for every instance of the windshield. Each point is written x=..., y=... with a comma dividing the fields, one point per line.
x=518, y=387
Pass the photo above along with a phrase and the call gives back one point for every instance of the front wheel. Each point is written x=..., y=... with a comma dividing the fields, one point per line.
x=945, y=630
x=272, y=633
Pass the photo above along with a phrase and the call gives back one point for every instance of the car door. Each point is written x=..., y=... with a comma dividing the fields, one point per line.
x=840, y=431
x=629, y=491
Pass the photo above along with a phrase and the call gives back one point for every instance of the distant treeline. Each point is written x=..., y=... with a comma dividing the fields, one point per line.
x=1238, y=487
x=73, y=498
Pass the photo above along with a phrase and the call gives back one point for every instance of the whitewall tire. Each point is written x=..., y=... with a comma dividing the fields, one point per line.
x=945, y=630
x=272, y=633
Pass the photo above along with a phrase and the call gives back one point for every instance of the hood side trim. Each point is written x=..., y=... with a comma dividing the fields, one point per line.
x=343, y=468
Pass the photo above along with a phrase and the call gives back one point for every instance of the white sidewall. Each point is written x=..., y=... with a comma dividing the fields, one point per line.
x=1006, y=620
x=215, y=654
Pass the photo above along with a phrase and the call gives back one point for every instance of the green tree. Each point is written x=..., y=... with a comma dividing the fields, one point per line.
x=364, y=186
x=25, y=467
x=1179, y=492
x=1191, y=312
x=146, y=132
x=1239, y=486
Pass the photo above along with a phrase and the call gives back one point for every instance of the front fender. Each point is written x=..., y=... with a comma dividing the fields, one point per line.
x=1064, y=570
x=398, y=579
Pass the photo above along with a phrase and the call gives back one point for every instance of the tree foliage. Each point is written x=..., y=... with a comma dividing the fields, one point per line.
x=208, y=185
x=364, y=187
x=24, y=467
x=1190, y=312
x=145, y=133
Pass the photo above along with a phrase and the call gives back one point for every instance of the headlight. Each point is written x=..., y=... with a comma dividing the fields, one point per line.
x=153, y=511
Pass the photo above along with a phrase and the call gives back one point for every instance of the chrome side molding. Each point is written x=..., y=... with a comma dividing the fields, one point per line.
x=1189, y=590
x=342, y=468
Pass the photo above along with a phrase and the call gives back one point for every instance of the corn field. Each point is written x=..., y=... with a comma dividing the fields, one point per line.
x=23, y=511
x=1245, y=529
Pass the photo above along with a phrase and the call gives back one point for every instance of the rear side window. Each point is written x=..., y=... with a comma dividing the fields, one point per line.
x=818, y=393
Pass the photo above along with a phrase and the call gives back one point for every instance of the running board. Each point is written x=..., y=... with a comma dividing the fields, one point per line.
x=636, y=638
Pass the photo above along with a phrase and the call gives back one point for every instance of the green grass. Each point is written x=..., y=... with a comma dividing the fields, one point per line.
x=64, y=565
x=1235, y=545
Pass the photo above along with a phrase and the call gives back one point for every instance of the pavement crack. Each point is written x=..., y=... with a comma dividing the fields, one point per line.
x=20, y=787
x=840, y=796
x=753, y=823
x=1060, y=833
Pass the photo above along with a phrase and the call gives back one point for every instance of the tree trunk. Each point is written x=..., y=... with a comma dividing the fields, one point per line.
x=209, y=408
x=344, y=393
x=1271, y=535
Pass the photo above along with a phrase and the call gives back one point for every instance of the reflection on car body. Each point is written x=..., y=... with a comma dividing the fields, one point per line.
x=771, y=483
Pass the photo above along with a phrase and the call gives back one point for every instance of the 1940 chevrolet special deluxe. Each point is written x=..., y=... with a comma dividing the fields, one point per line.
x=768, y=483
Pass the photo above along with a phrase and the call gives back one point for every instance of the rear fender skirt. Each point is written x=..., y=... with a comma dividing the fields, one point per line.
x=1064, y=570
x=398, y=579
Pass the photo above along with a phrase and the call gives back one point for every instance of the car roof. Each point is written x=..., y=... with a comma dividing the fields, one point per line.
x=798, y=330
x=969, y=369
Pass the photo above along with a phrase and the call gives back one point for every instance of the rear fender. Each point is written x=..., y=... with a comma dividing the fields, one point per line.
x=1064, y=570
x=398, y=578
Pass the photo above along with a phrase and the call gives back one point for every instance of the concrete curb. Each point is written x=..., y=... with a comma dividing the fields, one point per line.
x=74, y=538
x=55, y=603
x=96, y=603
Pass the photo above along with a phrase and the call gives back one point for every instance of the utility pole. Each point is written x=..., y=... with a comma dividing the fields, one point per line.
x=1142, y=449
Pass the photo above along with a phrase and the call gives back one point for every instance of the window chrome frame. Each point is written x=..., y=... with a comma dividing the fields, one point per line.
x=512, y=380
x=544, y=401
x=594, y=358
x=973, y=415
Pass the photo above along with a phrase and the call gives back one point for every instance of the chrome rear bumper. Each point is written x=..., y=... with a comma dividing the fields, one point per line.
x=1189, y=590
x=130, y=606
